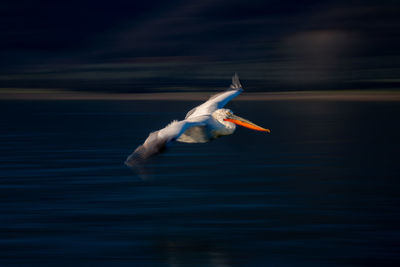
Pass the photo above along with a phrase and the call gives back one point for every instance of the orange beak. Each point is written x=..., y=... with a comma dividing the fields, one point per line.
x=245, y=123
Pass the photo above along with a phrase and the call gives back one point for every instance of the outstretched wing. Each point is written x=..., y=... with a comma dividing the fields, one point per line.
x=217, y=101
x=157, y=141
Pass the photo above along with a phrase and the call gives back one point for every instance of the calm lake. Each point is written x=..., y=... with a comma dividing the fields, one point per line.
x=321, y=190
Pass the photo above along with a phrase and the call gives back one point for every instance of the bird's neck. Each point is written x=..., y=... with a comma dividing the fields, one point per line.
x=224, y=128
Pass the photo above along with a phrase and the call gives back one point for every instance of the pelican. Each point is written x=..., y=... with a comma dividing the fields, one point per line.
x=202, y=124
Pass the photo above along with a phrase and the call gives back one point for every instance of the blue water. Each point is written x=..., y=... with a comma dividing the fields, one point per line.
x=320, y=190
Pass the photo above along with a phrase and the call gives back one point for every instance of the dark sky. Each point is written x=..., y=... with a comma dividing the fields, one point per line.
x=137, y=46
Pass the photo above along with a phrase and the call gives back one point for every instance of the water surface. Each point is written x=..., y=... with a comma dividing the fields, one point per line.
x=320, y=190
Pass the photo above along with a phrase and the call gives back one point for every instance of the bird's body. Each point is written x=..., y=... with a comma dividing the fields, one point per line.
x=202, y=124
x=214, y=127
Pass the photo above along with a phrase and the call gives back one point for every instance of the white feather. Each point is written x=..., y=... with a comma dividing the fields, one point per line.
x=203, y=123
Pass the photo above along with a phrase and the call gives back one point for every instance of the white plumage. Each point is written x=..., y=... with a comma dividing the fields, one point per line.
x=201, y=124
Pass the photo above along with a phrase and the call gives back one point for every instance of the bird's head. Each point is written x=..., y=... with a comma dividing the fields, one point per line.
x=226, y=116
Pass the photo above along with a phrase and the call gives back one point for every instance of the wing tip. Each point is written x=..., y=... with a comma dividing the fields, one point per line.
x=235, y=82
x=134, y=159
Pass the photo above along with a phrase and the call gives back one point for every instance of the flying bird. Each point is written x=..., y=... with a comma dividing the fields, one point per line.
x=202, y=124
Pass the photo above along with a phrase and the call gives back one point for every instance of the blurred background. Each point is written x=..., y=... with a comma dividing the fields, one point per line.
x=149, y=46
x=321, y=190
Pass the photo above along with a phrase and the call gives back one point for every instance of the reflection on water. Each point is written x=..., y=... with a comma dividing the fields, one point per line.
x=322, y=189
